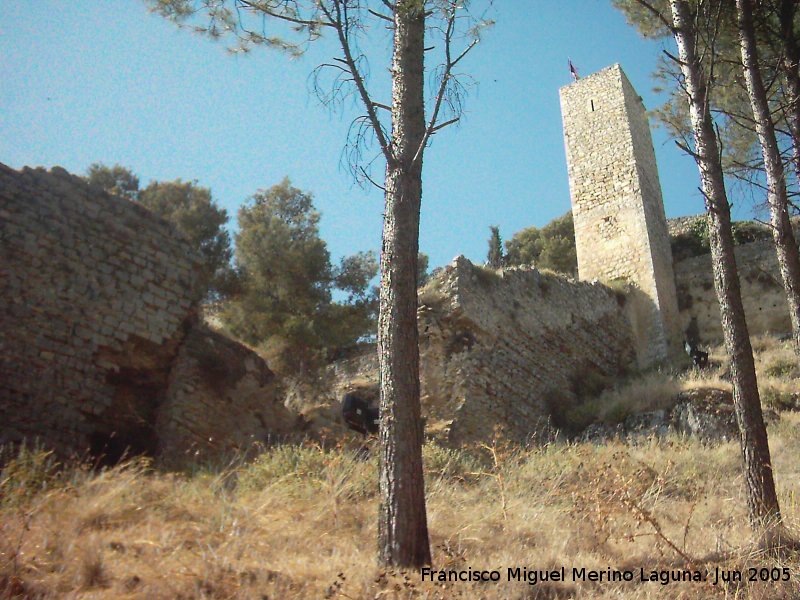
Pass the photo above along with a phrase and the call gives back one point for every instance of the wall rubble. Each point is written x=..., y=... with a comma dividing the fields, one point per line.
x=221, y=398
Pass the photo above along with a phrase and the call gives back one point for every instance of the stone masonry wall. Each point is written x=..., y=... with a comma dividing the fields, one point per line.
x=221, y=398
x=764, y=300
x=85, y=278
x=620, y=227
x=499, y=347
x=97, y=298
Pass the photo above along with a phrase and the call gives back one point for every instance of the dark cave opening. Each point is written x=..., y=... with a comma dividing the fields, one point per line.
x=110, y=448
x=127, y=427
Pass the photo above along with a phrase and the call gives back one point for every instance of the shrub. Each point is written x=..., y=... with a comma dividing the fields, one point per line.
x=690, y=244
x=745, y=232
x=485, y=276
x=783, y=368
x=551, y=247
x=651, y=391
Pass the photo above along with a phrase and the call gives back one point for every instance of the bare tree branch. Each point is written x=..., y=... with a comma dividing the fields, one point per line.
x=686, y=149
x=447, y=75
x=445, y=124
x=380, y=15
x=672, y=57
x=448, y=37
x=262, y=8
x=340, y=26
x=371, y=180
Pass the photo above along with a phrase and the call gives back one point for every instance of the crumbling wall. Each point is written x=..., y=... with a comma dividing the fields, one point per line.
x=221, y=398
x=319, y=401
x=96, y=297
x=498, y=348
x=763, y=296
x=95, y=291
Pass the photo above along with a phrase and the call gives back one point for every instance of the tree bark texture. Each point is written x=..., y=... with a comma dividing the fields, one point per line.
x=402, y=522
x=790, y=67
x=762, y=501
x=777, y=196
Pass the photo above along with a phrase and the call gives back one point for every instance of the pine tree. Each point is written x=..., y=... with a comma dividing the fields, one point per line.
x=777, y=193
x=494, y=257
x=402, y=522
x=686, y=26
x=284, y=304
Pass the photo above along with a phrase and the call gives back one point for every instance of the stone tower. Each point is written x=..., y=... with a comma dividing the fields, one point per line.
x=620, y=226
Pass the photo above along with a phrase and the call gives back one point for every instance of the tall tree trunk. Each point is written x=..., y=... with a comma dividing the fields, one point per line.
x=791, y=72
x=777, y=197
x=402, y=522
x=762, y=501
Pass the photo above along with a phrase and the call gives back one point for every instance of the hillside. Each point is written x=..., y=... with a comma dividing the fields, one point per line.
x=299, y=522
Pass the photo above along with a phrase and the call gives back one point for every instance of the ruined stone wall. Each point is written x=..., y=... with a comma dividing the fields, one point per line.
x=97, y=296
x=318, y=402
x=620, y=227
x=763, y=296
x=501, y=349
x=85, y=278
x=221, y=398
x=498, y=348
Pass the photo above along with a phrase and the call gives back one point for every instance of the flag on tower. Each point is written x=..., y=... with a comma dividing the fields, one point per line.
x=573, y=70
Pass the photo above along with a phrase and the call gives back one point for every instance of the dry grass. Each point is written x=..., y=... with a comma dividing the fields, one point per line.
x=778, y=375
x=651, y=391
x=300, y=522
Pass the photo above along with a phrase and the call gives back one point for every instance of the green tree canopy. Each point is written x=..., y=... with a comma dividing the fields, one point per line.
x=201, y=221
x=423, y=275
x=285, y=303
x=551, y=247
x=117, y=180
x=720, y=59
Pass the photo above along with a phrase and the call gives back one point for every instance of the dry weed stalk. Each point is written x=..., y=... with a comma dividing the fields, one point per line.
x=499, y=454
x=611, y=488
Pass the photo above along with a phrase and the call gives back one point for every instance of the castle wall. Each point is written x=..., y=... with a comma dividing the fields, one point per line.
x=221, y=398
x=500, y=348
x=97, y=296
x=85, y=277
x=620, y=227
x=763, y=296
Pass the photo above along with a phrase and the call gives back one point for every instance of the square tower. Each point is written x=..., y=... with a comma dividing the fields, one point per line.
x=620, y=227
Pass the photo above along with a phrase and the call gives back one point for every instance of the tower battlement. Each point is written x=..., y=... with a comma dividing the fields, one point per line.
x=620, y=226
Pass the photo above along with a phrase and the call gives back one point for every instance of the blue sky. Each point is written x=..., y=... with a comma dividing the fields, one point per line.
x=88, y=81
